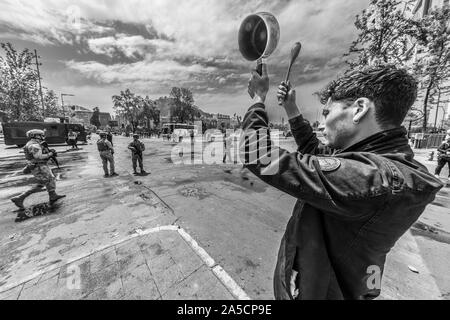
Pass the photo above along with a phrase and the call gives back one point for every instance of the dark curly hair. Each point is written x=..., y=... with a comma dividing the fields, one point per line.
x=392, y=90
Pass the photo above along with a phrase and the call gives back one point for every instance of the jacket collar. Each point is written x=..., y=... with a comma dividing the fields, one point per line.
x=392, y=141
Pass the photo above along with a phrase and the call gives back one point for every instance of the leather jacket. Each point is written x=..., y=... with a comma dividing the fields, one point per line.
x=352, y=207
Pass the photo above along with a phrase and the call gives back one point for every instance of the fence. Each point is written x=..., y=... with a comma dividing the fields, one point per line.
x=429, y=141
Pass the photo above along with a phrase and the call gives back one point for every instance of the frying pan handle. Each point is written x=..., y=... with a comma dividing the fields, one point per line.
x=259, y=67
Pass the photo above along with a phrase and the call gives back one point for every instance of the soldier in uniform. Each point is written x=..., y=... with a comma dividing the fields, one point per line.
x=37, y=165
x=354, y=205
x=443, y=157
x=106, y=154
x=137, y=148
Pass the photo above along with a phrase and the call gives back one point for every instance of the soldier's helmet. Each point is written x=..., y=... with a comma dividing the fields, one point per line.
x=102, y=134
x=135, y=135
x=35, y=133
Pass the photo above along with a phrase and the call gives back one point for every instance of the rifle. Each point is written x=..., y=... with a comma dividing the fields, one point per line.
x=136, y=152
x=46, y=150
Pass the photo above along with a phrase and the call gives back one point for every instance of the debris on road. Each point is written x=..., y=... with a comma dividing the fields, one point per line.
x=413, y=269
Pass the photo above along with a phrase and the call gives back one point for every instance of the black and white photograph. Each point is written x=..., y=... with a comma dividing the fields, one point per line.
x=242, y=151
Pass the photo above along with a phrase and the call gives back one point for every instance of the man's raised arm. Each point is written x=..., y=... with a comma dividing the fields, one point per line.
x=306, y=139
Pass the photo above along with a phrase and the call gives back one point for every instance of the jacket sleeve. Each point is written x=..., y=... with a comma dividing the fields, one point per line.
x=443, y=148
x=351, y=187
x=305, y=137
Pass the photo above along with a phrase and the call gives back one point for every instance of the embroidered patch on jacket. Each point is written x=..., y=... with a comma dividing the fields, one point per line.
x=329, y=164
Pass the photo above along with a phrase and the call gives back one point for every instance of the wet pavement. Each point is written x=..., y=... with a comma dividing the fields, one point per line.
x=238, y=222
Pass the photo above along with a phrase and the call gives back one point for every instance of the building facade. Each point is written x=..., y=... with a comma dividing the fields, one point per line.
x=82, y=115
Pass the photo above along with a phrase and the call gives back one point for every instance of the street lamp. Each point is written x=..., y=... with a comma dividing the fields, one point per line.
x=62, y=102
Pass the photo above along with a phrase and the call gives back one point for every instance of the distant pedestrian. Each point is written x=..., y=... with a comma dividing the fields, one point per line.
x=72, y=139
x=106, y=150
x=137, y=148
x=192, y=135
x=226, y=143
x=443, y=157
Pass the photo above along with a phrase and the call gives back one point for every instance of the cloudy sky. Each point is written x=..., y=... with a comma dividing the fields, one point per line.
x=95, y=48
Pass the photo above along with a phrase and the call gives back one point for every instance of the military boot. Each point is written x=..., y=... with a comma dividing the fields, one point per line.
x=18, y=201
x=55, y=197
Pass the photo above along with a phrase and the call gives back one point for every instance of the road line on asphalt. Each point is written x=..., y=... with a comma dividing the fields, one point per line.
x=227, y=281
x=199, y=250
x=218, y=271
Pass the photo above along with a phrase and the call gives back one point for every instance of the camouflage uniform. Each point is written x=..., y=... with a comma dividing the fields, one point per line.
x=137, y=148
x=37, y=166
x=106, y=151
x=41, y=171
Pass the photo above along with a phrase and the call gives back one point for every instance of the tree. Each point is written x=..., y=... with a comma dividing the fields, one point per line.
x=440, y=99
x=19, y=96
x=95, y=119
x=127, y=104
x=52, y=109
x=149, y=111
x=433, y=67
x=184, y=109
x=384, y=34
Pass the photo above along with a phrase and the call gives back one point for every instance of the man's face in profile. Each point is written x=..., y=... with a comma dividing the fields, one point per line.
x=339, y=127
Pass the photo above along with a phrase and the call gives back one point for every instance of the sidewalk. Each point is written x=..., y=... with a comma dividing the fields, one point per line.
x=160, y=265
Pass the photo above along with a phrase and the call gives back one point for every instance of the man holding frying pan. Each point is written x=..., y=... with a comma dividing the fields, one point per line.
x=353, y=206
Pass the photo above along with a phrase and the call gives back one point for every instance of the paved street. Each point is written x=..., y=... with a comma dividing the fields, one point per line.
x=182, y=232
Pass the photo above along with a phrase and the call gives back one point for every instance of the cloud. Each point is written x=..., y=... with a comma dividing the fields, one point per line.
x=133, y=47
x=152, y=45
x=143, y=74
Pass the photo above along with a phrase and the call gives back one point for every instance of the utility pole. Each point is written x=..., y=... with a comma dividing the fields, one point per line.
x=39, y=79
x=437, y=109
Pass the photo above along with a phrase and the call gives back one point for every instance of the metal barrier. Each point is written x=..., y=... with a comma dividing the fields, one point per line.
x=429, y=141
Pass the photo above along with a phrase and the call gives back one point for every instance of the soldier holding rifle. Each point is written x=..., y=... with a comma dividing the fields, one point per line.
x=137, y=148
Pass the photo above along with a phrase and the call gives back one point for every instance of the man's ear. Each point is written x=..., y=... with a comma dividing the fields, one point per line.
x=361, y=110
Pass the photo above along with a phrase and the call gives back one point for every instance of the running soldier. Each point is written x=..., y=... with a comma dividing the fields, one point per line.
x=137, y=148
x=106, y=154
x=37, y=165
